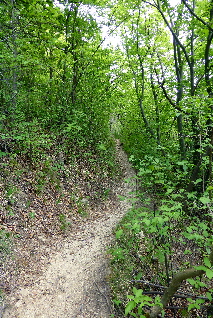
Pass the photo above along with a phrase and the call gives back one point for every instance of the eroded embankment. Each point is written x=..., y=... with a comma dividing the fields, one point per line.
x=74, y=282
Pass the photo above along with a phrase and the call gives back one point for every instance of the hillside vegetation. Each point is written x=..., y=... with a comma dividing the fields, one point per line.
x=65, y=94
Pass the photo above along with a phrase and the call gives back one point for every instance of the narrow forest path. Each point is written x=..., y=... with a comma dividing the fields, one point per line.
x=74, y=284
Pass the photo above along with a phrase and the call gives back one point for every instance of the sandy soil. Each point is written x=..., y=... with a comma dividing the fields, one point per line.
x=74, y=282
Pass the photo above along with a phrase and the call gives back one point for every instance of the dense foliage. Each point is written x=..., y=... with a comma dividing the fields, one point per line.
x=63, y=93
x=165, y=123
x=54, y=78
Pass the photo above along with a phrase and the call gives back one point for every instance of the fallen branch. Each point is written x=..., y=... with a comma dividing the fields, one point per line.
x=185, y=295
x=175, y=284
x=175, y=295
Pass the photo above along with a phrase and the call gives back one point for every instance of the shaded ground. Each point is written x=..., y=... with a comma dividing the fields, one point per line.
x=68, y=277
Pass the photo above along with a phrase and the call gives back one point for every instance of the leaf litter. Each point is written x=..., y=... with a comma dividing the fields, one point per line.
x=64, y=274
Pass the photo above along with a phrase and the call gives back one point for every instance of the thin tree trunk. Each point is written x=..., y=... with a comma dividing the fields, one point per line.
x=15, y=53
x=157, y=110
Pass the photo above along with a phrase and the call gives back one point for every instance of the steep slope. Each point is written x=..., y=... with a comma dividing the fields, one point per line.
x=74, y=281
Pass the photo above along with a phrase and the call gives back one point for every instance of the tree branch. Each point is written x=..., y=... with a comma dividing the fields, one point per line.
x=196, y=16
x=152, y=292
x=175, y=284
x=172, y=31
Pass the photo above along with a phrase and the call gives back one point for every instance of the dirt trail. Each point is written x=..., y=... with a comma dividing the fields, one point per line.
x=74, y=283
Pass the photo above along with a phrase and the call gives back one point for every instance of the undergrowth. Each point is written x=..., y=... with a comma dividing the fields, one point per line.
x=47, y=185
x=154, y=245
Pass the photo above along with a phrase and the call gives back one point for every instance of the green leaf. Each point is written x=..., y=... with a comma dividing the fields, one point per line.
x=205, y=200
x=147, y=222
x=130, y=297
x=209, y=273
x=137, y=292
x=131, y=305
x=2, y=154
x=118, y=253
x=201, y=268
x=72, y=127
x=102, y=147
x=117, y=302
x=192, y=282
x=186, y=252
x=158, y=301
x=121, y=197
x=119, y=233
x=189, y=300
x=207, y=262
x=209, y=296
x=198, y=181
